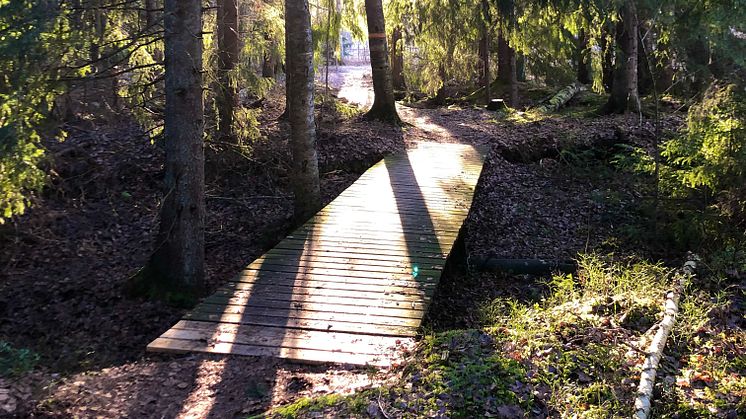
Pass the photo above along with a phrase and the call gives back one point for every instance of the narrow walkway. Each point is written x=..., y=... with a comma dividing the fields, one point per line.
x=353, y=283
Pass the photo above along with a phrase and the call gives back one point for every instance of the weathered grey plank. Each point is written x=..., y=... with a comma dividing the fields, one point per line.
x=353, y=283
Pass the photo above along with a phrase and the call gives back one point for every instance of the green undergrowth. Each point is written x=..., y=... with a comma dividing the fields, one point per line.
x=15, y=362
x=576, y=353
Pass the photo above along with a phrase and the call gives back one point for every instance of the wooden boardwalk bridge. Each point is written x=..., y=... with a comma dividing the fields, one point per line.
x=353, y=283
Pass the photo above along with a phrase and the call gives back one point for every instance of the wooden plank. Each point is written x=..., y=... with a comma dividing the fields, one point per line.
x=357, y=248
x=386, y=224
x=415, y=189
x=283, y=337
x=335, y=282
x=304, y=322
x=314, y=232
x=371, y=256
x=441, y=195
x=322, y=294
x=408, y=240
x=305, y=355
x=455, y=213
x=294, y=265
x=260, y=303
x=341, y=275
x=407, y=226
x=422, y=291
x=349, y=303
x=403, y=206
x=296, y=257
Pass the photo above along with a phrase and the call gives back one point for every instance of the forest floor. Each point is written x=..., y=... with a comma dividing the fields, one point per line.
x=548, y=190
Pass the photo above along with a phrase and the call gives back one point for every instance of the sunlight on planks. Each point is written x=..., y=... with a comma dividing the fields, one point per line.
x=353, y=283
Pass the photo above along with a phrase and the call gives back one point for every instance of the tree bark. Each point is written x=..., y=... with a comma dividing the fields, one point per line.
x=643, y=401
x=268, y=65
x=506, y=69
x=607, y=64
x=485, y=50
x=397, y=59
x=176, y=268
x=584, y=75
x=300, y=93
x=624, y=94
x=228, y=50
x=151, y=16
x=520, y=67
x=485, y=79
x=644, y=71
x=384, y=107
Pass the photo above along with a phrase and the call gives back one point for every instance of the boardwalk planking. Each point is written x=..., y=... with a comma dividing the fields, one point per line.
x=353, y=283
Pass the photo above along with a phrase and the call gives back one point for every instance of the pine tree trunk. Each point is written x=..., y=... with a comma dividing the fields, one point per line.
x=485, y=51
x=150, y=15
x=397, y=59
x=506, y=69
x=607, y=64
x=624, y=94
x=384, y=107
x=300, y=93
x=269, y=62
x=485, y=79
x=644, y=71
x=176, y=268
x=268, y=65
x=584, y=75
x=228, y=50
x=520, y=67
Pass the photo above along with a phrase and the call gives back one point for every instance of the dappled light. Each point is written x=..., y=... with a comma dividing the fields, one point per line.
x=307, y=300
x=372, y=209
x=352, y=82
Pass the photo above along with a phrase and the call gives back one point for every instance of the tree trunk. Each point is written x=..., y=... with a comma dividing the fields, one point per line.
x=584, y=75
x=607, y=64
x=384, y=107
x=397, y=59
x=485, y=78
x=268, y=65
x=520, y=67
x=644, y=63
x=228, y=50
x=299, y=88
x=506, y=69
x=624, y=95
x=176, y=268
x=150, y=15
x=485, y=50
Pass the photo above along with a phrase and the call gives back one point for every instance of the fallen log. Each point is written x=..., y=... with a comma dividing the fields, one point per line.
x=561, y=98
x=520, y=266
x=643, y=401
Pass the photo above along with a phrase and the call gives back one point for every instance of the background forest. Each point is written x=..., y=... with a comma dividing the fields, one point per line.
x=615, y=141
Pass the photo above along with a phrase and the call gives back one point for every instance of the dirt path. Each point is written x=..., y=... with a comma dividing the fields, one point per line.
x=353, y=83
